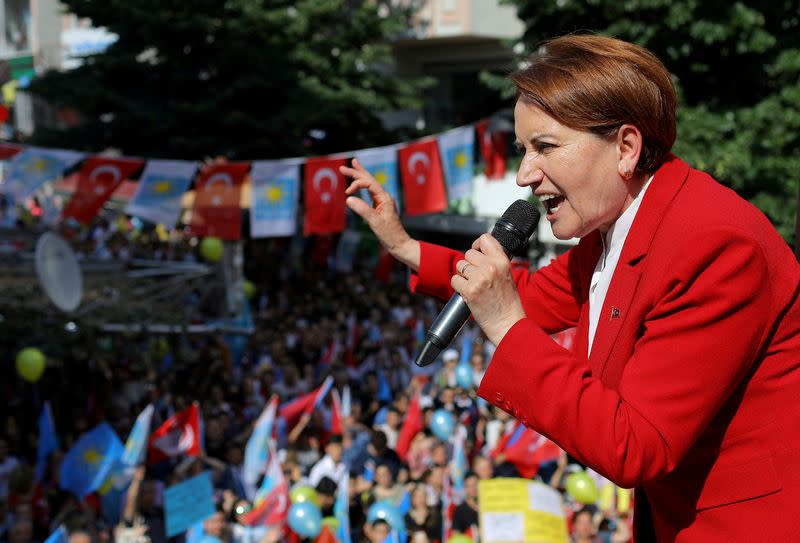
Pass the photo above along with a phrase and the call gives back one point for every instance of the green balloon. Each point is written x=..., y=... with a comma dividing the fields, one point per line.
x=582, y=488
x=331, y=522
x=460, y=538
x=302, y=494
x=211, y=249
x=30, y=364
x=249, y=289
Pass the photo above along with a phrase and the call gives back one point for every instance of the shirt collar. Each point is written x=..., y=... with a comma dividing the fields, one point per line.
x=616, y=235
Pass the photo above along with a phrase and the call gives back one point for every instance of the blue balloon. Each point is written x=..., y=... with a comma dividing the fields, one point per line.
x=387, y=511
x=443, y=424
x=464, y=376
x=305, y=519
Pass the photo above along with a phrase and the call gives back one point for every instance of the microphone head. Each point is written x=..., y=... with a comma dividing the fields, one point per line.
x=516, y=225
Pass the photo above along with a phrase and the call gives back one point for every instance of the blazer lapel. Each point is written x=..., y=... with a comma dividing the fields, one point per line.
x=662, y=190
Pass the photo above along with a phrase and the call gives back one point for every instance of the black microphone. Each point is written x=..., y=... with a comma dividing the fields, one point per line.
x=512, y=230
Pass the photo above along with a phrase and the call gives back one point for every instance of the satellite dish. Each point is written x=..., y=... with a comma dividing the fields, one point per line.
x=59, y=272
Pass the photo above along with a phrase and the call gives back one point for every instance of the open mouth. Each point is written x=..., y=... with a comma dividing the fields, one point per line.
x=551, y=202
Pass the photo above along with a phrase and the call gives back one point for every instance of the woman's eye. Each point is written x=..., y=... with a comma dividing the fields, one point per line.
x=543, y=147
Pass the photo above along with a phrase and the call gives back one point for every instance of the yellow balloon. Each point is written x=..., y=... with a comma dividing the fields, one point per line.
x=607, y=496
x=30, y=364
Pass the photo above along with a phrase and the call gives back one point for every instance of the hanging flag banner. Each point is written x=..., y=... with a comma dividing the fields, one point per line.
x=493, y=147
x=381, y=163
x=216, y=210
x=273, y=207
x=324, y=196
x=421, y=175
x=98, y=178
x=456, y=148
x=28, y=170
x=161, y=187
x=519, y=510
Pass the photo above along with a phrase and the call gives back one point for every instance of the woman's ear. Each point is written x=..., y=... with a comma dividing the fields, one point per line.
x=629, y=146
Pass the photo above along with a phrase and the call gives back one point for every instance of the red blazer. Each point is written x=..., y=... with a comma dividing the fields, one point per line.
x=692, y=390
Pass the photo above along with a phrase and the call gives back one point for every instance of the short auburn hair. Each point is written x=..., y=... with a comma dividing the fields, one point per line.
x=597, y=84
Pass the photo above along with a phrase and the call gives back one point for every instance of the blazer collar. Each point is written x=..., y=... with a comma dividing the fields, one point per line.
x=666, y=183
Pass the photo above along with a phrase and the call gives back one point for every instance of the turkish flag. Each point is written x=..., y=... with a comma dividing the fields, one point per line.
x=421, y=174
x=493, y=149
x=98, y=178
x=8, y=150
x=179, y=435
x=217, y=192
x=412, y=425
x=324, y=196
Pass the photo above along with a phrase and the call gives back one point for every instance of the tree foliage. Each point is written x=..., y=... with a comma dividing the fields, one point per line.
x=242, y=78
x=737, y=69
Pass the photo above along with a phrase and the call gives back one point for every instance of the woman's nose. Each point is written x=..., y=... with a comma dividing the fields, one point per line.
x=529, y=172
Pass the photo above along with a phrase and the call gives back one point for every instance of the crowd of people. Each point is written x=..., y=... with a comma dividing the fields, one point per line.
x=311, y=321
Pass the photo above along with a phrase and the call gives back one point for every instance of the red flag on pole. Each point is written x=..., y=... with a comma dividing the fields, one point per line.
x=216, y=210
x=412, y=425
x=98, y=178
x=324, y=196
x=493, y=149
x=421, y=174
x=292, y=411
x=179, y=435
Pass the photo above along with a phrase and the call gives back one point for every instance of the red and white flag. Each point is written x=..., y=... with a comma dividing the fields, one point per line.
x=421, y=175
x=271, y=505
x=324, y=196
x=179, y=435
x=217, y=211
x=291, y=411
x=493, y=150
x=98, y=178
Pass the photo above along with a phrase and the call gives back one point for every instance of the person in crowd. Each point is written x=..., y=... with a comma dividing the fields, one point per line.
x=583, y=528
x=421, y=517
x=671, y=268
x=330, y=465
x=377, y=531
x=465, y=516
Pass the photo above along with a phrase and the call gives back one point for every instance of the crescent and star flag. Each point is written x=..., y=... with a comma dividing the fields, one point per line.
x=271, y=504
x=179, y=435
x=324, y=196
x=98, y=178
x=160, y=190
x=292, y=410
x=275, y=193
x=217, y=194
x=421, y=175
x=33, y=167
x=456, y=147
x=412, y=425
x=493, y=147
x=256, y=452
x=381, y=163
x=87, y=464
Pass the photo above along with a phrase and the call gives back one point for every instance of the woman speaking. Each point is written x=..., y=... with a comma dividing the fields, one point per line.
x=685, y=373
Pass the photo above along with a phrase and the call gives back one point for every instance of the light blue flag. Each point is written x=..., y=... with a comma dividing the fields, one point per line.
x=456, y=148
x=341, y=510
x=256, y=452
x=274, y=197
x=136, y=445
x=33, y=167
x=119, y=479
x=381, y=162
x=60, y=535
x=161, y=188
x=89, y=462
x=48, y=440
x=458, y=463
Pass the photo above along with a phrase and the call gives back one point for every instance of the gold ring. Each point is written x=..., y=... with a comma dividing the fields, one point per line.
x=464, y=268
